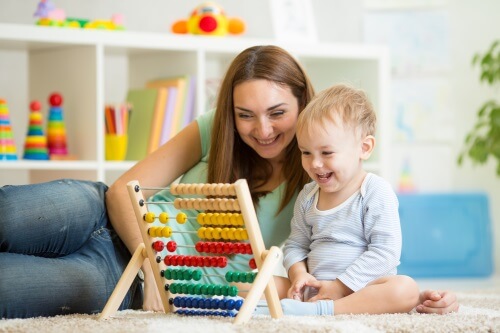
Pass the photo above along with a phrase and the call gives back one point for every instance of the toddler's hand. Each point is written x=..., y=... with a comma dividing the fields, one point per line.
x=333, y=290
x=296, y=290
x=440, y=302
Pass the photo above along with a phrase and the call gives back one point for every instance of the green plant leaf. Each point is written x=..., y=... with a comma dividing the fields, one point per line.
x=479, y=125
x=486, y=60
x=494, y=45
x=484, y=108
x=495, y=150
x=476, y=59
x=495, y=117
x=478, y=151
x=483, y=139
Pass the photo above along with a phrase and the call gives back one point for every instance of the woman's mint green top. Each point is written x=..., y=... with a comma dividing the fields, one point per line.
x=275, y=228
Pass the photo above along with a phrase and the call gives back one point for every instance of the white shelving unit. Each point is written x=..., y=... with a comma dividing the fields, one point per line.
x=91, y=68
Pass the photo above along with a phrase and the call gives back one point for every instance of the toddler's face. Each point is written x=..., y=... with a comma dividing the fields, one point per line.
x=332, y=156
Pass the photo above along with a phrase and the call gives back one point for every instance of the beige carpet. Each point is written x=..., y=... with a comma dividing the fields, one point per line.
x=479, y=312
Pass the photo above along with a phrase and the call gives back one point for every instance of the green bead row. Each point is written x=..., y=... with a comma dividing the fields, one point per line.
x=182, y=274
x=202, y=289
x=244, y=277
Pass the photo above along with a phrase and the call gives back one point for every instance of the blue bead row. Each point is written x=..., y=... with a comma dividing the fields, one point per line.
x=205, y=313
x=207, y=303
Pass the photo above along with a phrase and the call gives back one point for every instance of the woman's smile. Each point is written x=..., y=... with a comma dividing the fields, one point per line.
x=265, y=114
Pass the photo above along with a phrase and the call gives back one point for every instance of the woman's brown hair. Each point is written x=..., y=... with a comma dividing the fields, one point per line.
x=230, y=158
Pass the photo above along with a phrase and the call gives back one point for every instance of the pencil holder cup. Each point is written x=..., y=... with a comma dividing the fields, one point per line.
x=115, y=147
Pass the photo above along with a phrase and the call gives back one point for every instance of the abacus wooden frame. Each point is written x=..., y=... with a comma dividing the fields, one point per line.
x=266, y=260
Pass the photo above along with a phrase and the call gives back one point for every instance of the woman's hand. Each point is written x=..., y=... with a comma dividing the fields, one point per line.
x=152, y=300
x=329, y=290
x=440, y=302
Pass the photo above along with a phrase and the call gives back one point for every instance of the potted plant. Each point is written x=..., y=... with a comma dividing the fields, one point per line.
x=484, y=138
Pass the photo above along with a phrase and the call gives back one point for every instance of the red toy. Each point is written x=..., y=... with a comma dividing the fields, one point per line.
x=209, y=19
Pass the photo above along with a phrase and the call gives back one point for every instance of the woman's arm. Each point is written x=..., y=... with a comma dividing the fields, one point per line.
x=158, y=169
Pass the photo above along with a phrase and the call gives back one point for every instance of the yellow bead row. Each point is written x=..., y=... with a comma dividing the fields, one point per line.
x=160, y=231
x=223, y=233
x=150, y=217
x=235, y=219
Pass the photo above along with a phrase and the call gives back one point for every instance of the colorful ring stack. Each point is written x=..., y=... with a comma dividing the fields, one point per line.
x=35, y=146
x=7, y=146
x=56, y=130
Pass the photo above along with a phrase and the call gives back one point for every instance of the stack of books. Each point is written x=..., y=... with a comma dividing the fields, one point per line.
x=158, y=112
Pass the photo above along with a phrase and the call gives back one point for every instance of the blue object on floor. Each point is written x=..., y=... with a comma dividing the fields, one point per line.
x=445, y=235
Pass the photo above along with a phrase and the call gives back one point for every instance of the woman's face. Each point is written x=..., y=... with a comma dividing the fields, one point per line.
x=265, y=114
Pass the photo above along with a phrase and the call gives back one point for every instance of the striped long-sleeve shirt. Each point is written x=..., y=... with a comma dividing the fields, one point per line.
x=355, y=242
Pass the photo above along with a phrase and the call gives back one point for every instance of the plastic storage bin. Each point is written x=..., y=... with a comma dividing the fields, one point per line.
x=445, y=235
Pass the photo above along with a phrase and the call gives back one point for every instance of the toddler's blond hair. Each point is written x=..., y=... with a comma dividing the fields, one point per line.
x=344, y=106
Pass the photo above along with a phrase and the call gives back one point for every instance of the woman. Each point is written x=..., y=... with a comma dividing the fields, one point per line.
x=66, y=255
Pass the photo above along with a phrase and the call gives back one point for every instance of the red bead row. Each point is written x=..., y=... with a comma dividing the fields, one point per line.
x=223, y=247
x=195, y=261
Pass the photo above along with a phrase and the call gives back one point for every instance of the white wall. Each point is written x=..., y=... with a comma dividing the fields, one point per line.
x=338, y=20
x=473, y=26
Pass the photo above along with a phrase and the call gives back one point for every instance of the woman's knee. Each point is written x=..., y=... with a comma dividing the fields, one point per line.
x=30, y=206
x=83, y=200
x=11, y=206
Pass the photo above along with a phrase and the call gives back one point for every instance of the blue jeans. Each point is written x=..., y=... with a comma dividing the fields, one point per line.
x=58, y=251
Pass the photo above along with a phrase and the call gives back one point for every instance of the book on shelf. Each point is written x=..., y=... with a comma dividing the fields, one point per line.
x=182, y=108
x=169, y=115
x=143, y=105
x=180, y=84
x=189, y=112
x=158, y=112
x=157, y=121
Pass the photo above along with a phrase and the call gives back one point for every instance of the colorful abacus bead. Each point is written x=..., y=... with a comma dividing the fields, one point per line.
x=222, y=233
x=181, y=218
x=183, y=274
x=244, y=277
x=160, y=232
x=234, y=219
x=202, y=289
x=252, y=263
x=163, y=217
x=205, y=313
x=158, y=246
x=196, y=261
x=223, y=247
x=171, y=246
x=206, y=303
x=149, y=217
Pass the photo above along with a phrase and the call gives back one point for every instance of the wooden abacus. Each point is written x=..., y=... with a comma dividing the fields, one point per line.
x=265, y=260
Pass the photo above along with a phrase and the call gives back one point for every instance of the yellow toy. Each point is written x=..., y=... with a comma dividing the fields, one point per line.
x=209, y=19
